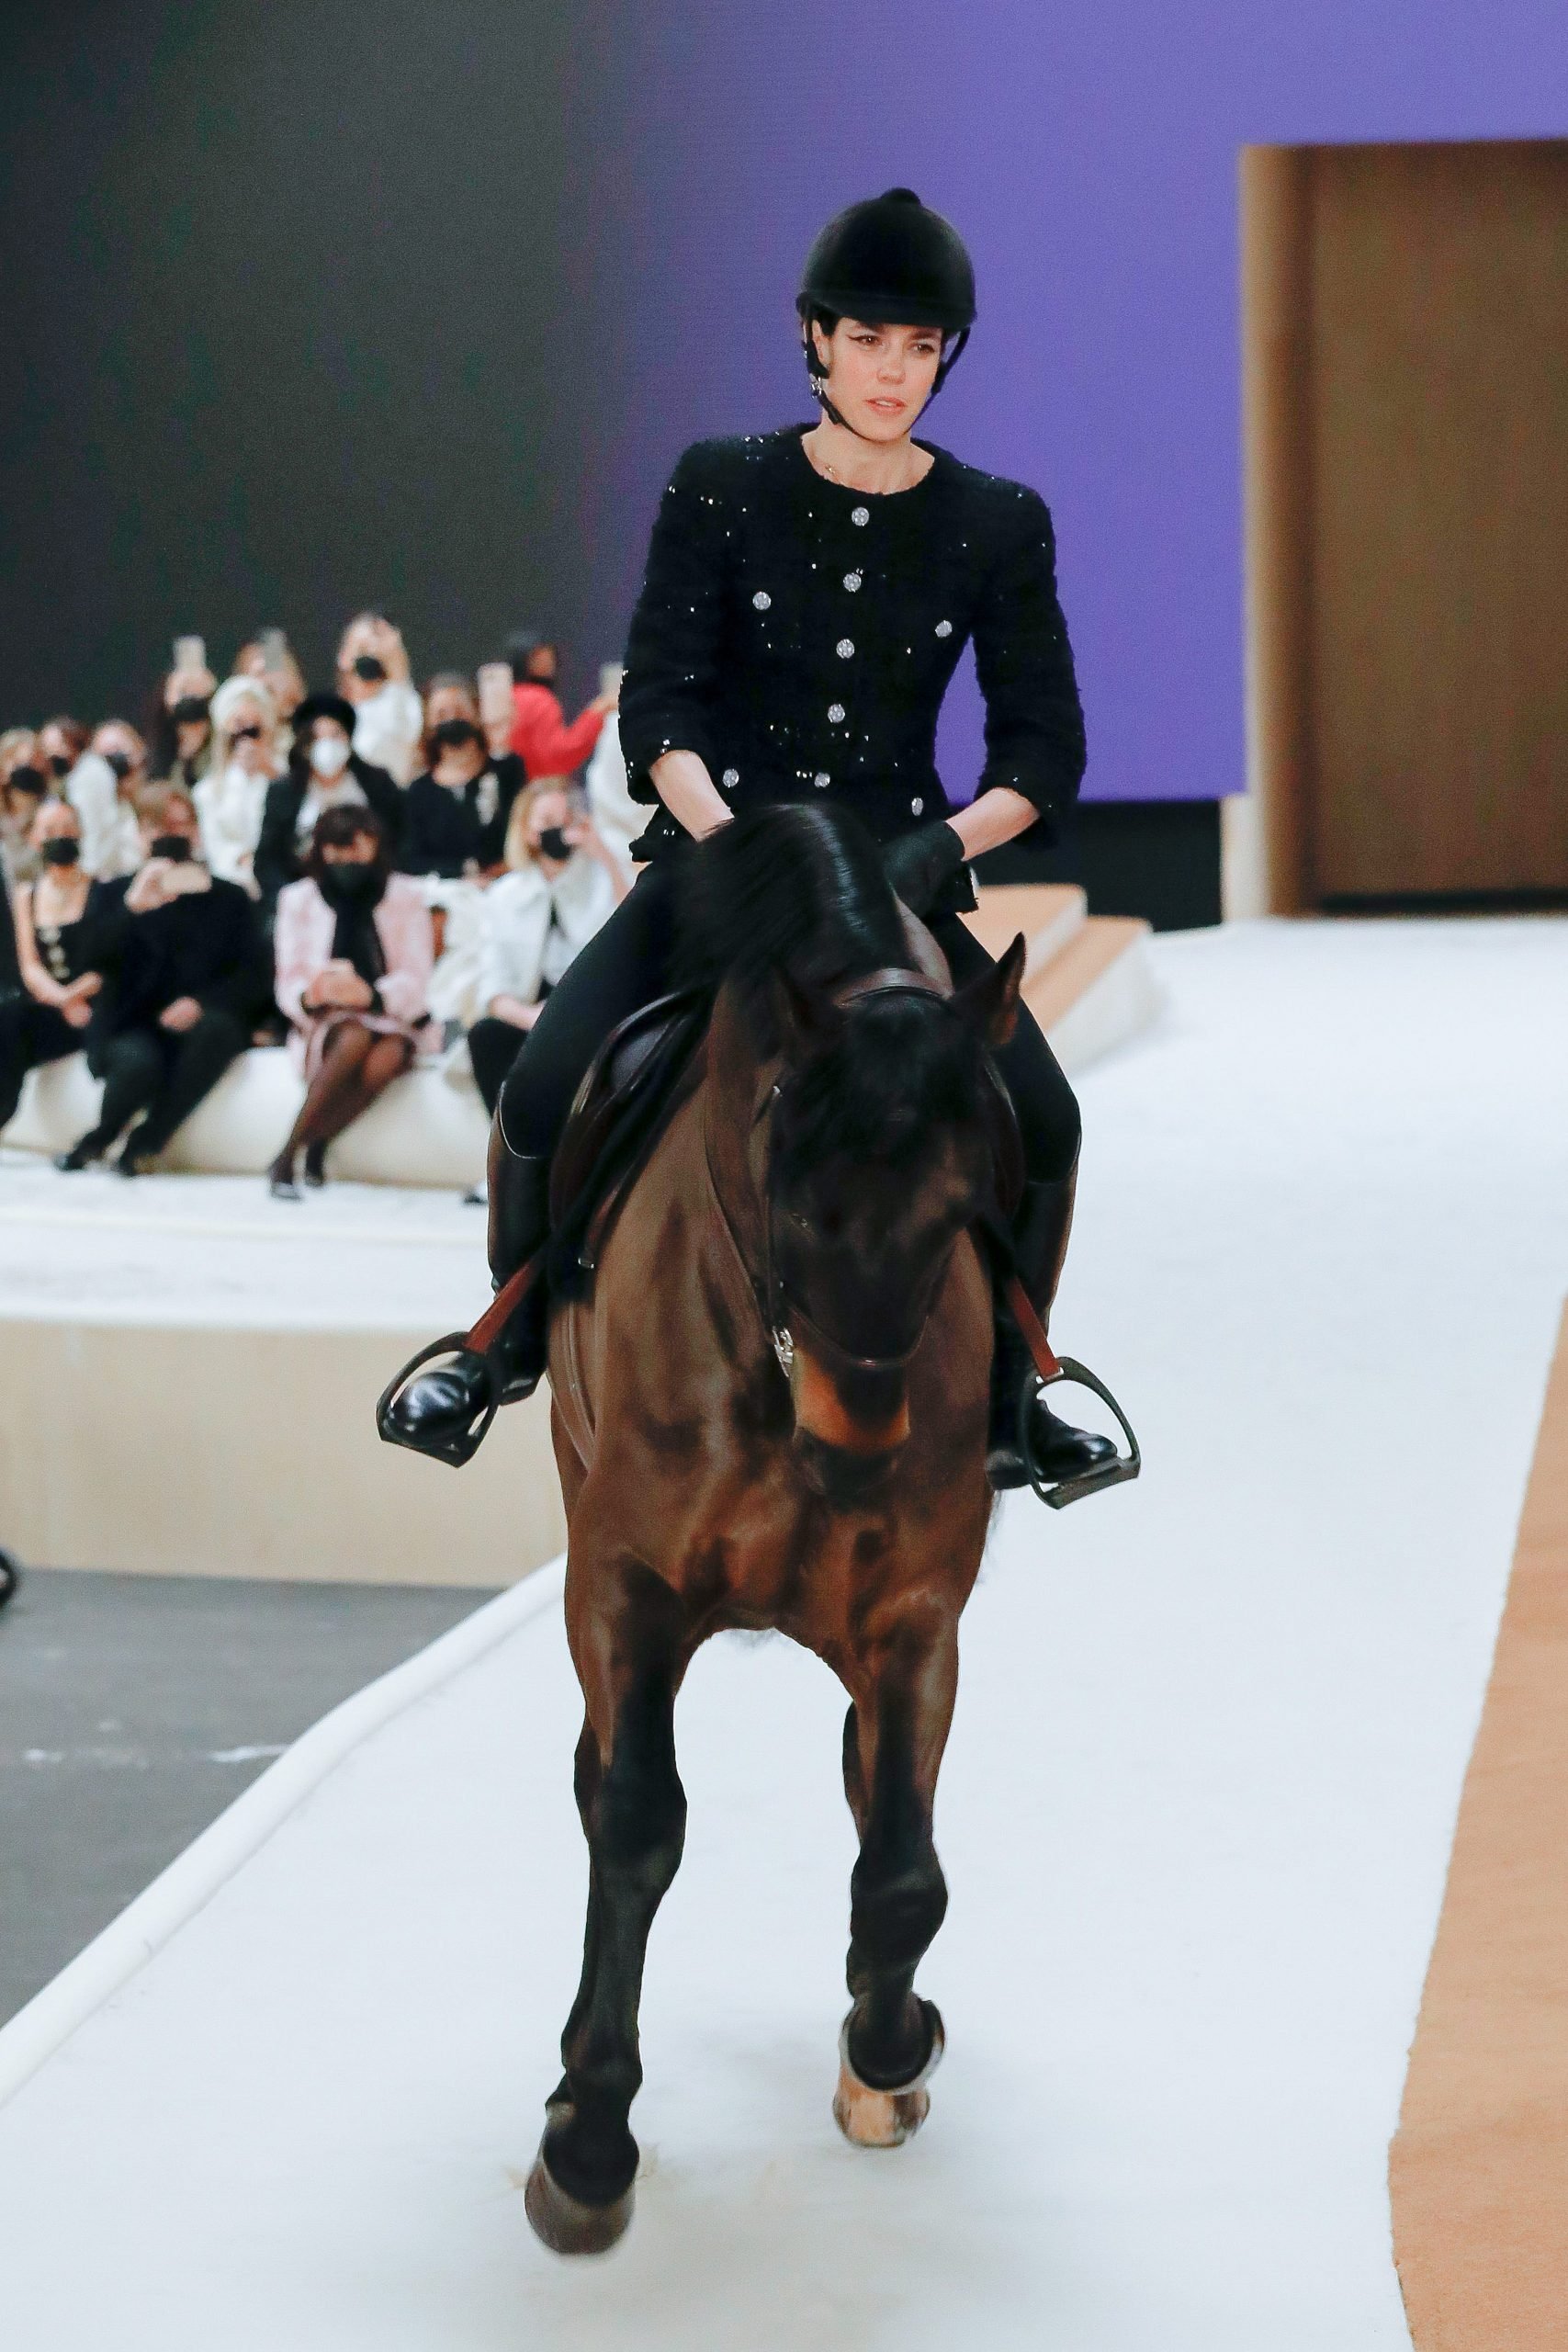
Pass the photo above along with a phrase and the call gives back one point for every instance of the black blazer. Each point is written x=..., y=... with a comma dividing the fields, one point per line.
x=800, y=636
x=207, y=944
x=278, y=859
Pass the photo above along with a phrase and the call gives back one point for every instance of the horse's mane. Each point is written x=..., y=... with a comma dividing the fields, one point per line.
x=787, y=888
x=802, y=890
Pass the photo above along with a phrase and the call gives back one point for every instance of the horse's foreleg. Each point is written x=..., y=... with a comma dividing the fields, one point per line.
x=628, y=1652
x=893, y=1746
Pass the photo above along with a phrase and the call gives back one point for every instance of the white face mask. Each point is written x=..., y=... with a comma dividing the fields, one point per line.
x=328, y=755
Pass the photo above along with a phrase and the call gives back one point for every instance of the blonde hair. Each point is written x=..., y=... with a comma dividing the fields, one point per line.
x=517, y=852
x=18, y=746
x=226, y=703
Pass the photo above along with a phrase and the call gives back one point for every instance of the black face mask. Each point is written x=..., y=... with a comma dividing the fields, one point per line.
x=245, y=735
x=368, y=668
x=175, y=847
x=28, y=778
x=58, y=763
x=64, y=850
x=121, y=763
x=553, y=843
x=189, y=711
x=349, y=885
x=457, y=735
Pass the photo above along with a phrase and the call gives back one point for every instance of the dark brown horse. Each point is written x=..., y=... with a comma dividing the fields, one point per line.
x=770, y=1412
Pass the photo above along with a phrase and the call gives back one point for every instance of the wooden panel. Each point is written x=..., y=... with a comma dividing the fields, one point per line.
x=1438, y=616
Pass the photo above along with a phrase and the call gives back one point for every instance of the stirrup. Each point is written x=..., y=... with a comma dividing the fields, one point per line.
x=462, y=1444
x=1088, y=1482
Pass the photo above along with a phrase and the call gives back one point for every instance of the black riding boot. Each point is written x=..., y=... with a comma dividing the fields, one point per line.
x=1039, y=1245
x=440, y=1405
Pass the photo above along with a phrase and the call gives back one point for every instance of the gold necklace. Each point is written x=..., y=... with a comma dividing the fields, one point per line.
x=827, y=473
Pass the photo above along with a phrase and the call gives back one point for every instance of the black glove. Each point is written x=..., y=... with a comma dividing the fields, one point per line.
x=919, y=863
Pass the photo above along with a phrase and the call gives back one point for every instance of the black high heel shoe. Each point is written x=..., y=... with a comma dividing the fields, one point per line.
x=315, y=1165
x=90, y=1148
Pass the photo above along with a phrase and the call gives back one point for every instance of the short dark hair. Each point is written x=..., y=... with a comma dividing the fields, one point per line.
x=336, y=828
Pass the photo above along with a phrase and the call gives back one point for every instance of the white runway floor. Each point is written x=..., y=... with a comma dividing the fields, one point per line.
x=1195, y=1816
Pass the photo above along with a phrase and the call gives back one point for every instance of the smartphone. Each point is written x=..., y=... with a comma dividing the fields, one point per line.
x=190, y=654
x=495, y=691
x=610, y=676
x=274, y=648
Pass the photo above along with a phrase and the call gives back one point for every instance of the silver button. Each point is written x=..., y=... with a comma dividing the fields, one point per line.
x=835, y=714
x=844, y=648
x=944, y=629
x=821, y=779
x=762, y=600
x=916, y=806
x=730, y=778
x=860, y=516
x=853, y=581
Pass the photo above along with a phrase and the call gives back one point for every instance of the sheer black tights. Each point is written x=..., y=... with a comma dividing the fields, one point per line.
x=358, y=1064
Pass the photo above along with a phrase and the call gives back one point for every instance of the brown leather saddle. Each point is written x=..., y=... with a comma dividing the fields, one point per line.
x=638, y=1080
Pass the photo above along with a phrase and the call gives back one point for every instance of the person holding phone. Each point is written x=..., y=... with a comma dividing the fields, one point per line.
x=540, y=736
x=184, y=977
x=231, y=798
x=373, y=674
x=561, y=886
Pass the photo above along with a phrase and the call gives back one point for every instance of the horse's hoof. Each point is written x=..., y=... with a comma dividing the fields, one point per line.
x=564, y=2224
x=869, y=2117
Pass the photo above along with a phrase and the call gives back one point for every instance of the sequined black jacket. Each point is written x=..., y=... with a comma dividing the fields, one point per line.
x=799, y=637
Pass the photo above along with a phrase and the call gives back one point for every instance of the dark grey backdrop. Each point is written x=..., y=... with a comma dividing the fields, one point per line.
x=288, y=305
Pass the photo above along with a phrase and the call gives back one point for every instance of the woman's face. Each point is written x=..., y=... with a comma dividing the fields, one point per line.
x=250, y=736
x=879, y=379
x=543, y=665
x=458, y=763
x=551, y=809
x=192, y=737
x=26, y=752
x=56, y=820
x=53, y=746
x=176, y=815
x=442, y=703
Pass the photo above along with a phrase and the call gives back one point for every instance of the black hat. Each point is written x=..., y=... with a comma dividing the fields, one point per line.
x=327, y=705
x=891, y=262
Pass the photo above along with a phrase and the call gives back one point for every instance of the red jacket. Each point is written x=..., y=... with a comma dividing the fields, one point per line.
x=541, y=737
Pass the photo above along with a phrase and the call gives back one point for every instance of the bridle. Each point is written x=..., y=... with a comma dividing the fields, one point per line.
x=785, y=1320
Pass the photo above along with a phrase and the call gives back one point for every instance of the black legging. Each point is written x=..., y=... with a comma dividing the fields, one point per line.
x=629, y=963
x=166, y=1072
x=31, y=1033
x=493, y=1045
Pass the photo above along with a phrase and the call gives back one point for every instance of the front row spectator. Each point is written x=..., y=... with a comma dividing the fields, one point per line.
x=186, y=975
x=562, y=884
x=325, y=772
x=355, y=952
x=66, y=926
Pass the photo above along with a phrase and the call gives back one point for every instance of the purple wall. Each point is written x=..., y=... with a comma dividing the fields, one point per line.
x=1087, y=150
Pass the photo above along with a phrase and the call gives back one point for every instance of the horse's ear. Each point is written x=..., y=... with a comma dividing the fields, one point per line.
x=806, y=1018
x=990, y=1004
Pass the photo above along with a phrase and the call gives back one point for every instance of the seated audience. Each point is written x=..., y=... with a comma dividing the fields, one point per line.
x=325, y=772
x=102, y=788
x=66, y=928
x=451, y=696
x=24, y=787
x=184, y=976
x=232, y=794
x=355, y=952
x=456, y=814
x=562, y=884
x=373, y=674
x=619, y=817
x=540, y=736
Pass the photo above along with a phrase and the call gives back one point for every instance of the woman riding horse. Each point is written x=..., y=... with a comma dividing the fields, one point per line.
x=808, y=595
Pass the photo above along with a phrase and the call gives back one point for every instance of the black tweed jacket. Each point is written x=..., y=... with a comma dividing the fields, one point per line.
x=799, y=637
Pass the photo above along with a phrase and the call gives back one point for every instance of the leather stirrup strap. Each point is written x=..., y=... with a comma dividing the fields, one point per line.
x=1048, y=1364
x=504, y=1304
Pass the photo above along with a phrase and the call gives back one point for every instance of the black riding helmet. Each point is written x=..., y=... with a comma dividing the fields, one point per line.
x=892, y=262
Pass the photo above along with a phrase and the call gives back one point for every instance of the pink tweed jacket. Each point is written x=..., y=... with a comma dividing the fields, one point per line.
x=302, y=942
